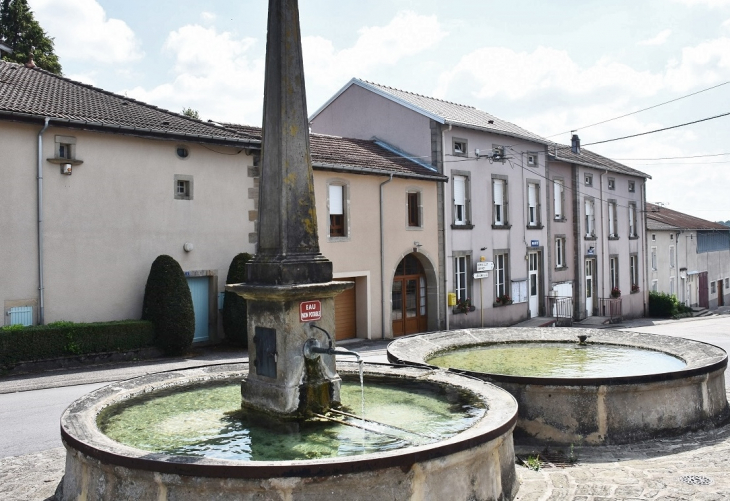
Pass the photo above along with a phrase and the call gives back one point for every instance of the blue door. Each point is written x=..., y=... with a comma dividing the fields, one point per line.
x=199, y=291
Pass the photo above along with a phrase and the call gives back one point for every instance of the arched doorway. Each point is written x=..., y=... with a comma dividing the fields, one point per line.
x=408, y=297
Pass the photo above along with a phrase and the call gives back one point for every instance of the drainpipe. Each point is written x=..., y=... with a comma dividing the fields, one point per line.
x=644, y=233
x=382, y=262
x=603, y=240
x=41, y=314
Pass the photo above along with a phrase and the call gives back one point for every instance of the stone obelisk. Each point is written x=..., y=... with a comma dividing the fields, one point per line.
x=289, y=283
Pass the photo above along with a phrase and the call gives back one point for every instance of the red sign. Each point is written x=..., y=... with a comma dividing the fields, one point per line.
x=310, y=311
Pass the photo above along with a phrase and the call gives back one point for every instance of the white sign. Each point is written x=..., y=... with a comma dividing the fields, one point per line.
x=478, y=276
x=485, y=265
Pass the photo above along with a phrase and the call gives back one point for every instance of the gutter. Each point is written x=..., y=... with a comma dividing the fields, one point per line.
x=39, y=176
x=382, y=261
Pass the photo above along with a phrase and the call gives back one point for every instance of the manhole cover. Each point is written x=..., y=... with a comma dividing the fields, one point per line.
x=696, y=480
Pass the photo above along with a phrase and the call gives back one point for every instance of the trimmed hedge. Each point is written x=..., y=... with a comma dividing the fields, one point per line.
x=235, y=318
x=64, y=339
x=169, y=305
x=663, y=305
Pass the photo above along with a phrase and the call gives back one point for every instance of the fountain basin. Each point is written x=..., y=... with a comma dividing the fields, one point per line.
x=594, y=410
x=477, y=463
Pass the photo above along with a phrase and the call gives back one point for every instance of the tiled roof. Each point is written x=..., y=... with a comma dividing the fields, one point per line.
x=661, y=218
x=355, y=155
x=444, y=112
x=28, y=93
x=590, y=159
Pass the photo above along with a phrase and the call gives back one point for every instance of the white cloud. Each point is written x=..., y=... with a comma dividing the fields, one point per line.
x=214, y=73
x=83, y=31
x=406, y=35
x=707, y=3
x=208, y=17
x=706, y=63
x=657, y=40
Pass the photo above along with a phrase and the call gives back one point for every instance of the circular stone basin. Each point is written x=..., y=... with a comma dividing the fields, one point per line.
x=666, y=385
x=455, y=443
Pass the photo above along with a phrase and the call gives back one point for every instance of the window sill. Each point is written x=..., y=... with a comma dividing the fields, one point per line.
x=338, y=239
x=592, y=238
x=501, y=226
x=561, y=268
x=60, y=161
x=414, y=228
x=560, y=219
x=633, y=237
x=497, y=305
x=613, y=238
x=535, y=227
x=635, y=292
x=457, y=311
x=462, y=226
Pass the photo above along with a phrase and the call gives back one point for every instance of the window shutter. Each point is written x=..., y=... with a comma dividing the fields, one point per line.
x=498, y=192
x=558, y=198
x=459, y=190
x=611, y=219
x=336, y=198
x=532, y=195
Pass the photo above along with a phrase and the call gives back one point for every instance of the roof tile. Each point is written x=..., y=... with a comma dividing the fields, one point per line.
x=662, y=218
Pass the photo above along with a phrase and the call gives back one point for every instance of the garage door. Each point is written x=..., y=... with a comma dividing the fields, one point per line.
x=345, y=318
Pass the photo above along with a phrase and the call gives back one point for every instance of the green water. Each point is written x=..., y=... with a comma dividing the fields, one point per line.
x=568, y=360
x=207, y=421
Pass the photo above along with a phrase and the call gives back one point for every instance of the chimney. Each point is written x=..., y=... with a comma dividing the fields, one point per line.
x=30, y=63
x=575, y=144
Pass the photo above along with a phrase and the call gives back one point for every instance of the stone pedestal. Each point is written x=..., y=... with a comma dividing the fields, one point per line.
x=281, y=379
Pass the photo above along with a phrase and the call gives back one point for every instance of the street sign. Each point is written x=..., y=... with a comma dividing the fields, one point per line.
x=485, y=265
x=478, y=276
x=309, y=311
x=534, y=243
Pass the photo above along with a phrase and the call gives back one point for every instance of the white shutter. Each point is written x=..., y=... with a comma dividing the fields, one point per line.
x=632, y=221
x=611, y=220
x=336, y=200
x=558, y=196
x=532, y=195
x=459, y=190
x=498, y=192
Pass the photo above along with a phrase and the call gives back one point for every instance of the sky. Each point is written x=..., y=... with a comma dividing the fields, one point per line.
x=549, y=67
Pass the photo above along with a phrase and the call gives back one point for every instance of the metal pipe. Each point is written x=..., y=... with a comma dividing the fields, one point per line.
x=382, y=261
x=41, y=306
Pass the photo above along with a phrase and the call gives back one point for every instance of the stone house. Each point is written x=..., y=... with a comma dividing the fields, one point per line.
x=97, y=185
x=597, y=233
x=688, y=257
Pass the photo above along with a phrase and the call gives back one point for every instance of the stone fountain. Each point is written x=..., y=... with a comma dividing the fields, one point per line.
x=291, y=374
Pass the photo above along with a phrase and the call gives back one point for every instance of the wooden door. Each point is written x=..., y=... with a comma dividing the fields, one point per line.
x=704, y=291
x=345, y=314
x=408, y=298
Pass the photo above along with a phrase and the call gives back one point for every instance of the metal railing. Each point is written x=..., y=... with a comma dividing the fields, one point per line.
x=610, y=307
x=561, y=309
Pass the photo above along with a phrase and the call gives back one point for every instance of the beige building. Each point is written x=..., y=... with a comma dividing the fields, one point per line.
x=97, y=185
x=688, y=257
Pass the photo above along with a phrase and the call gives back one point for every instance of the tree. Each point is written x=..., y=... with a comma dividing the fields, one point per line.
x=189, y=112
x=169, y=305
x=24, y=35
x=235, y=319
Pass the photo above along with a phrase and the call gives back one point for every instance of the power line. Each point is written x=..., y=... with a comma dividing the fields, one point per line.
x=644, y=109
x=657, y=130
x=676, y=158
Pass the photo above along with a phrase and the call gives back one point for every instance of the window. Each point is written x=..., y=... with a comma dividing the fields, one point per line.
x=653, y=237
x=613, y=271
x=713, y=290
x=461, y=277
x=461, y=194
x=653, y=258
x=590, y=214
x=501, y=263
x=498, y=153
x=337, y=205
x=414, y=209
x=634, y=271
x=589, y=179
x=533, y=204
x=532, y=159
x=671, y=286
x=611, y=183
x=560, y=251
x=183, y=187
x=499, y=194
x=727, y=283
x=558, y=199
x=632, y=186
x=654, y=287
x=182, y=151
x=460, y=147
x=632, y=220
x=612, y=224
x=671, y=256
x=671, y=236
x=65, y=147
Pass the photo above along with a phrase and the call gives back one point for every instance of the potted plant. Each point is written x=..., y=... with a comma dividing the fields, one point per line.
x=503, y=300
x=463, y=306
x=615, y=292
x=635, y=288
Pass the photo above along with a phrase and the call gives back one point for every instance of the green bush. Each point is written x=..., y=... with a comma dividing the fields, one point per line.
x=63, y=339
x=234, y=306
x=663, y=305
x=169, y=306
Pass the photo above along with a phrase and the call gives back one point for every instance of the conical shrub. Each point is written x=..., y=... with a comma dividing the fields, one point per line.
x=234, y=306
x=168, y=304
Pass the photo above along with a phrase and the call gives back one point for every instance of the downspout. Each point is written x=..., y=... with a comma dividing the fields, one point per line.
x=603, y=240
x=382, y=262
x=41, y=314
x=645, y=294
